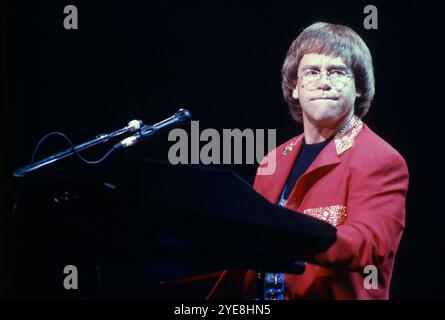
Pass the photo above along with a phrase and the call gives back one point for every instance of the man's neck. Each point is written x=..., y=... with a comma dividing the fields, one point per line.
x=315, y=133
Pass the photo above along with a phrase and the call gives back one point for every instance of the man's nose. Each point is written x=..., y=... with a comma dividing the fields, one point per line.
x=324, y=82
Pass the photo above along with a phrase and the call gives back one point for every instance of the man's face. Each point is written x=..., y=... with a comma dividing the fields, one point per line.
x=324, y=103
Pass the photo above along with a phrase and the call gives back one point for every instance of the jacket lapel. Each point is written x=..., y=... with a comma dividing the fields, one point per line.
x=327, y=160
x=285, y=161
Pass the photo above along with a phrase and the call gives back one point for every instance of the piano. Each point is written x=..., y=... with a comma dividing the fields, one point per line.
x=135, y=229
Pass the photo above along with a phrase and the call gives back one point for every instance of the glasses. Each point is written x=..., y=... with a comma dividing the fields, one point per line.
x=337, y=77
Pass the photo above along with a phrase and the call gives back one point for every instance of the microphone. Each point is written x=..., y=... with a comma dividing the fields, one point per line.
x=180, y=116
x=132, y=126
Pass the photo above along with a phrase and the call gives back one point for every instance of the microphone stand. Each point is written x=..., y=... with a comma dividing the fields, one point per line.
x=143, y=131
x=102, y=138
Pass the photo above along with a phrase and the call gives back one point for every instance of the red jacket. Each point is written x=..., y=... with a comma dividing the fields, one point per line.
x=357, y=183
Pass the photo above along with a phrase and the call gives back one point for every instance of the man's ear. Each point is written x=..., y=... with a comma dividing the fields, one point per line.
x=295, y=93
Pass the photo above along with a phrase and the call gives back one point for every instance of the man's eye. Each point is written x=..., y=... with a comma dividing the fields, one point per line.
x=337, y=72
x=311, y=73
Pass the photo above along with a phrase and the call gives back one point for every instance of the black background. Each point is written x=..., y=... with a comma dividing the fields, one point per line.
x=222, y=60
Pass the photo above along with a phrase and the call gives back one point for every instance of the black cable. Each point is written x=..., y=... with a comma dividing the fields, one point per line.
x=72, y=147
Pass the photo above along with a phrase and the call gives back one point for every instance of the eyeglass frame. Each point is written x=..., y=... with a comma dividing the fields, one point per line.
x=326, y=72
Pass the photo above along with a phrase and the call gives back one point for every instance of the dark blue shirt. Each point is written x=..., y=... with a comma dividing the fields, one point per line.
x=307, y=155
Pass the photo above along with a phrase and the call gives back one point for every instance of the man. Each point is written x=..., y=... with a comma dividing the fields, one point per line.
x=338, y=170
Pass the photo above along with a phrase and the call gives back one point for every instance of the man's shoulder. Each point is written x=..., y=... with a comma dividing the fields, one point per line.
x=281, y=150
x=290, y=143
x=369, y=148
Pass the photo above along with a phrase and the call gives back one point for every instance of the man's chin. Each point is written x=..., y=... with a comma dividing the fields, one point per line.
x=326, y=119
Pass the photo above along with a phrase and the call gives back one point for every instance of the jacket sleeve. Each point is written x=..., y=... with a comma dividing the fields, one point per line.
x=376, y=216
